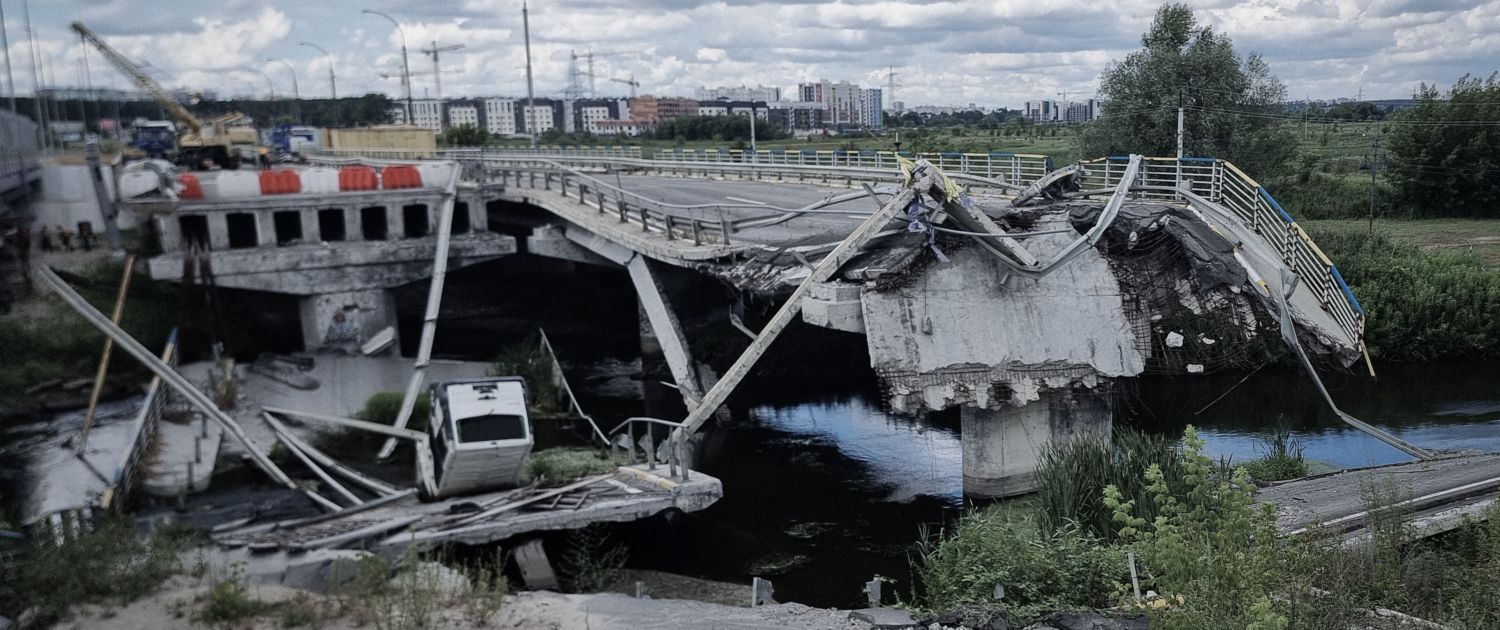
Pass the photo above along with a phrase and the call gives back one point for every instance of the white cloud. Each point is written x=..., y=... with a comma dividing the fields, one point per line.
x=993, y=52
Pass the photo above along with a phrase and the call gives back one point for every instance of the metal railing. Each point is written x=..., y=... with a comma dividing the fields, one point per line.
x=145, y=423
x=1225, y=184
x=676, y=445
x=1215, y=180
x=704, y=223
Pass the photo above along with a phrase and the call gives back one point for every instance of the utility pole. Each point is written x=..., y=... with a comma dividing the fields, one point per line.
x=1180, y=118
x=36, y=80
x=437, y=79
x=333, y=87
x=405, y=65
x=1374, y=160
x=752, y=129
x=10, y=79
x=530, y=92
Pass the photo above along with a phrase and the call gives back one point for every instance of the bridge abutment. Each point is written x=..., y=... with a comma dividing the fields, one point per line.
x=345, y=320
x=1002, y=447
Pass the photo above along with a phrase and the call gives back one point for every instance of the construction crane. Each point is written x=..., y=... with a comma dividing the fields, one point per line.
x=433, y=52
x=220, y=140
x=634, y=84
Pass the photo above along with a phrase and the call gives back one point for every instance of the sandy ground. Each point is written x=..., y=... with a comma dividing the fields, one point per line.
x=180, y=602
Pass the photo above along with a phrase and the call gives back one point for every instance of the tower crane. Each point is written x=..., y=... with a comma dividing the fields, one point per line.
x=434, y=51
x=218, y=139
x=634, y=84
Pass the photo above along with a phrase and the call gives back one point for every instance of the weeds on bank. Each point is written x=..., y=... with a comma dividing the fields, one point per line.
x=419, y=592
x=1210, y=554
x=591, y=564
x=529, y=361
x=567, y=462
x=228, y=600
x=1282, y=457
x=107, y=565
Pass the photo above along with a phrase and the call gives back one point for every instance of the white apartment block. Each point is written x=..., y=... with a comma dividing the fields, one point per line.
x=428, y=113
x=459, y=115
x=539, y=118
x=592, y=116
x=741, y=93
x=500, y=116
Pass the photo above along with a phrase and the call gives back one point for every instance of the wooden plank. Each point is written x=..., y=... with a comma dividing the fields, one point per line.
x=532, y=499
x=109, y=346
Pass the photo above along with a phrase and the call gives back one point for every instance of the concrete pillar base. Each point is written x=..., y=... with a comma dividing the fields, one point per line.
x=342, y=322
x=1001, y=447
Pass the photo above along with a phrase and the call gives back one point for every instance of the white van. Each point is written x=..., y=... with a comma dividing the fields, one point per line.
x=481, y=434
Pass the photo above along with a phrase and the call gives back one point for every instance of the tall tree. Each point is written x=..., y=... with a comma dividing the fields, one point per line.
x=1446, y=153
x=1232, y=101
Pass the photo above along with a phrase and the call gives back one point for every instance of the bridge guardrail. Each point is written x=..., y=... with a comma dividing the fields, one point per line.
x=145, y=424
x=651, y=215
x=1225, y=184
x=1211, y=178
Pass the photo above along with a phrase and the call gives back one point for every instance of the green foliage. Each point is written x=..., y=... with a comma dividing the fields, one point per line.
x=383, y=407
x=1141, y=93
x=1071, y=477
x=466, y=136
x=1208, y=542
x=1443, y=166
x=717, y=128
x=229, y=601
x=591, y=564
x=1282, y=458
x=1420, y=305
x=108, y=565
x=531, y=362
x=567, y=462
x=1042, y=568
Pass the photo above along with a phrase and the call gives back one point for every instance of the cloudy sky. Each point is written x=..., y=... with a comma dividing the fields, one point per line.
x=947, y=52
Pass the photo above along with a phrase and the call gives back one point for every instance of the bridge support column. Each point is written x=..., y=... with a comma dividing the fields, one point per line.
x=342, y=322
x=1001, y=448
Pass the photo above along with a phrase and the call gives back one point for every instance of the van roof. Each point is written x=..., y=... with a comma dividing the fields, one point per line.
x=478, y=397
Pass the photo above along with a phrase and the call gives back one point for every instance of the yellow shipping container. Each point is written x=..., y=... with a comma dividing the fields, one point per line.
x=409, y=141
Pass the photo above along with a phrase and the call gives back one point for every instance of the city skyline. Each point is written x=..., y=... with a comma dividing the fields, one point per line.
x=996, y=54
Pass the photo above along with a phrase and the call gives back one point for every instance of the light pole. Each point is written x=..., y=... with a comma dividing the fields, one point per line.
x=296, y=91
x=270, y=85
x=405, y=64
x=10, y=79
x=333, y=86
x=530, y=94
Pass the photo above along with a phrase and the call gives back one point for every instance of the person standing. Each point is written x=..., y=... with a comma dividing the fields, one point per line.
x=44, y=238
x=65, y=237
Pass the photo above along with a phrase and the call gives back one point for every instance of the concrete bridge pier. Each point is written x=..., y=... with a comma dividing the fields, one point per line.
x=345, y=320
x=1001, y=448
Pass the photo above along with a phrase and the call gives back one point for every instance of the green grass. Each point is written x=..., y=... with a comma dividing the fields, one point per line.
x=567, y=462
x=1071, y=477
x=1479, y=236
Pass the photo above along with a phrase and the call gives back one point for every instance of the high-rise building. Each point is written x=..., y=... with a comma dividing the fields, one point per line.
x=1043, y=111
x=650, y=110
x=844, y=103
x=741, y=93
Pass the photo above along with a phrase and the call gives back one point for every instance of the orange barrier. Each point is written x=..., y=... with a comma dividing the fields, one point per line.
x=280, y=182
x=357, y=178
x=191, y=187
x=403, y=176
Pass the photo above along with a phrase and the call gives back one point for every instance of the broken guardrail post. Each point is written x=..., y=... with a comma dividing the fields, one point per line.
x=761, y=592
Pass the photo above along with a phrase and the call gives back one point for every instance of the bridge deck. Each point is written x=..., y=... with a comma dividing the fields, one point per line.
x=1440, y=493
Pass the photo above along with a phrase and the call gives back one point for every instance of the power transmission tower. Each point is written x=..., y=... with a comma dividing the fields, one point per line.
x=575, y=78
x=434, y=51
x=890, y=87
x=1375, y=160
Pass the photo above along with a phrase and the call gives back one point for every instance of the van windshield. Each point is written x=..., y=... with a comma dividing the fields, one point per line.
x=491, y=427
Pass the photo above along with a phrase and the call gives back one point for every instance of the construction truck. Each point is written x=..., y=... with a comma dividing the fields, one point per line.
x=224, y=141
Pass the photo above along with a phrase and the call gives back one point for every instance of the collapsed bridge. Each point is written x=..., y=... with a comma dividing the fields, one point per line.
x=992, y=283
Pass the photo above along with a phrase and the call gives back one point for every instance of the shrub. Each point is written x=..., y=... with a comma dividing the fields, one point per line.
x=108, y=564
x=383, y=407
x=591, y=564
x=1420, y=305
x=229, y=601
x=566, y=462
x=1042, y=569
x=1282, y=458
x=529, y=361
x=1071, y=477
x=1210, y=547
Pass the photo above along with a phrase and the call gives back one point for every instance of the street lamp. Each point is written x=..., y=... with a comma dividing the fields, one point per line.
x=333, y=87
x=270, y=85
x=405, y=65
x=296, y=91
